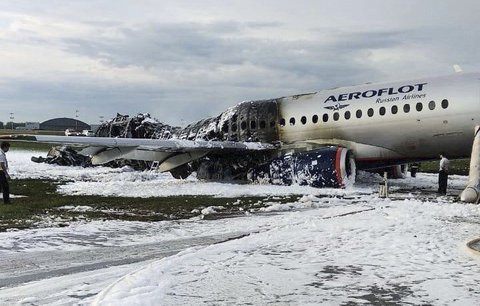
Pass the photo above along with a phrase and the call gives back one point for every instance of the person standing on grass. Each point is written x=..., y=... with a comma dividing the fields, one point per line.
x=443, y=174
x=4, y=176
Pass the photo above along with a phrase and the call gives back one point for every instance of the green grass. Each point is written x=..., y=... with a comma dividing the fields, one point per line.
x=30, y=145
x=457, y=166
x=42, y=202
x=32, y=132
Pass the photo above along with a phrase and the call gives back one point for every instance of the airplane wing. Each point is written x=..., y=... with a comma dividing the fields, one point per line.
x=170, y=153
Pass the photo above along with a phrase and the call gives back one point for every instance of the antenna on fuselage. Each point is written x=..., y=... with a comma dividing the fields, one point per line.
x=457, y=68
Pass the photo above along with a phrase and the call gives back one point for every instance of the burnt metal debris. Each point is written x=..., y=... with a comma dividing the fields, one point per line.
x=139, y=126
x=64, y=156
x=250, y=121
x=123, y=126
x=253, y=121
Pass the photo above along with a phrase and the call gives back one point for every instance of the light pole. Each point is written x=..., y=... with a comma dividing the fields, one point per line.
x=11, y=118
x=76, y=120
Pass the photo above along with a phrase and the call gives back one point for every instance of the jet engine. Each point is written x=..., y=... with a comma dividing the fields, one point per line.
x=324, y=167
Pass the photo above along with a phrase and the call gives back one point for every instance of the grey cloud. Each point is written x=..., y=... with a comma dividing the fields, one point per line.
x=198, y=53
x=281, y=68
x=184, y=46
x=159, y=45
x=34, y=97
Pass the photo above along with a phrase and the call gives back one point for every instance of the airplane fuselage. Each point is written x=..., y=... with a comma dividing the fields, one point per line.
x=317, y=139
x=412, y=120
x=382, y=124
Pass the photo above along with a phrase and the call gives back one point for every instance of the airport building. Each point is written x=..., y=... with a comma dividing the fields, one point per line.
x=61, y=124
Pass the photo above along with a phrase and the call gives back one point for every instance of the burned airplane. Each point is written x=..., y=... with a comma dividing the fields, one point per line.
x=317, y=139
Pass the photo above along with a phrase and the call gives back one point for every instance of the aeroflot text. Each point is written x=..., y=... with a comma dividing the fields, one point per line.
x=376, y=93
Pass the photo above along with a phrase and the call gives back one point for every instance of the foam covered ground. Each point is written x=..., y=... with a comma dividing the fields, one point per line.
x=333, y=246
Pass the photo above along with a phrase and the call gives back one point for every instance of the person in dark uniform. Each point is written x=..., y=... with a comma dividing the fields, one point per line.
x=443, y=174
x=4, y=176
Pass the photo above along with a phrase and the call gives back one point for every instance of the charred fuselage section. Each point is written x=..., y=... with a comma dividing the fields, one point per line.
x=253, y=121
x=140, y=126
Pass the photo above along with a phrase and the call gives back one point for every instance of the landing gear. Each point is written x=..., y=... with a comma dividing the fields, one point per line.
x=181, y=172
x=471, y=194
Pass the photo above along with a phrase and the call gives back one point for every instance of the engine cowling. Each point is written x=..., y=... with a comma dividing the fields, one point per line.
x=324, y=167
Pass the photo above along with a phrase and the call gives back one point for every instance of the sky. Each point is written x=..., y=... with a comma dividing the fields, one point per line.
x=182, y=61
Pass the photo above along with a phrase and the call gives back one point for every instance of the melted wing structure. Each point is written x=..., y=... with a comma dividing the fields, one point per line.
x=170, y=153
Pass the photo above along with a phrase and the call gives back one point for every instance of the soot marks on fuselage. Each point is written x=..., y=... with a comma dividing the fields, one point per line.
x=253, y=121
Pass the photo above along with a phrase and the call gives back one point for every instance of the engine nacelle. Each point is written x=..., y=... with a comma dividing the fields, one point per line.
x=324, y=167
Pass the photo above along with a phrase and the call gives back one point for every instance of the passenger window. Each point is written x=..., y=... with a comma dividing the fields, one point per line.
x=336, y=116
x=382, y=111
x=431, y=105
x=304, y=119
x=347, y=115
x=315, y=119
x=243, y=125
x=263, y=124
x=359, y=113
x=444, y=103
x=406, y=108
x=394, y=109
x=292, y=121
x=325, y=117
x=282, y=121
x=419, y=106
x=225, y=127
x=370, y=112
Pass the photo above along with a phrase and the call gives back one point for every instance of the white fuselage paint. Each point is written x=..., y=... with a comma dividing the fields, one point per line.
x=415, y=135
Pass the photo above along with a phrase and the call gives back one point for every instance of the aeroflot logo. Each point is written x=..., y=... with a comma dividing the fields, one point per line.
x=376, y=93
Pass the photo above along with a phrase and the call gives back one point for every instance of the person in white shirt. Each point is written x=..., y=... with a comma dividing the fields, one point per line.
x=443, y=174
x=4, y=176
